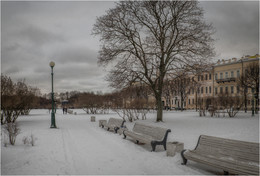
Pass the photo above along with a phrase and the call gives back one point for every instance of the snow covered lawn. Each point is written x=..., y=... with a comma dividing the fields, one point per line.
x=79, y=146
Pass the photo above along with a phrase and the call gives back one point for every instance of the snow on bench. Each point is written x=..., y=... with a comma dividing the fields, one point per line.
x=113, y=124
x=233, y=156
x=70, y=111
x=148, y=134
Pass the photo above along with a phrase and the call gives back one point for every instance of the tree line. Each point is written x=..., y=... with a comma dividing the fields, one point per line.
x=132, y=102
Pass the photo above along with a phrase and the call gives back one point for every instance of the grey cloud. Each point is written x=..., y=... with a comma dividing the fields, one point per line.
x=38, y=37
x=35, y=33
x=75, y=54
x=13, y=70
x=237, y=27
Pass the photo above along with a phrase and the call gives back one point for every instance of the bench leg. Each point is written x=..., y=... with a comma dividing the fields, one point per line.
x=108, y=129
x=153, y=146
x=164, y=145
x=183, y=158
x=226, y=173
x=115, y=129
x=124, y=134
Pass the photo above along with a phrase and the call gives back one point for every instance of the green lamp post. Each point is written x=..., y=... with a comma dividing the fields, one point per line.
x=53, y=124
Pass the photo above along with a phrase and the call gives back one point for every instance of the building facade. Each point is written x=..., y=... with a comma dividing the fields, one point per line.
x=220, y=78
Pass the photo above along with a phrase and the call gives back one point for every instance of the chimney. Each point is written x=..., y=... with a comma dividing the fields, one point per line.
x=229, y=60
x=234, y=59
x=218, y=62
x=223, y=61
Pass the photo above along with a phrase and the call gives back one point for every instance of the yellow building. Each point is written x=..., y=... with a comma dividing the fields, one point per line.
x=221, y=78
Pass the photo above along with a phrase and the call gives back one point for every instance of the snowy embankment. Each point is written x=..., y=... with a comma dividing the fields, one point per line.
x=79, y=146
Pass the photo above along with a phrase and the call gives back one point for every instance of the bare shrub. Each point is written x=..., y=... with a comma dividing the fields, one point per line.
x=26, y=140
x=33, y=139
x=29, y=140
x=12, y=130
x=232, y=104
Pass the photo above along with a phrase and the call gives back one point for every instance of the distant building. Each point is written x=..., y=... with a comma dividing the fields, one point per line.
x=222, y=77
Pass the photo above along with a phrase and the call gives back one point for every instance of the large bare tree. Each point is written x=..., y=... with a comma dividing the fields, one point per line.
x=145, y=40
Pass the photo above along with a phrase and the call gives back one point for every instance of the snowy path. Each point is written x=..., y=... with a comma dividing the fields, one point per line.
x=79, y=146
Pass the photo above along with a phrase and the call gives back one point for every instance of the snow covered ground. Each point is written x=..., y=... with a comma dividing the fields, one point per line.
x=79, y=146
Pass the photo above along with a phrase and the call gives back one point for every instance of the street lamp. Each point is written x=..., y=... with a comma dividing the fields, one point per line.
x=53, y=124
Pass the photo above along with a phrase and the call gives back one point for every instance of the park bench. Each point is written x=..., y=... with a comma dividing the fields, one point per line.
x=232, y=156
x=148, y=134
x=113, y=124
x=70, y=111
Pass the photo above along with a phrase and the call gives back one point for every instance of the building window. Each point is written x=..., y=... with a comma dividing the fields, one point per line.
x=206, y=77
x=246, y=89
x=226, y=89
x=253, y=90
x=232, y=89
x=216, y=90
x=210, y=76
x=192, y=90
x=210, y=89
x=198, y=77
x=232, y=74
x=221, y=75
x=221, y=89
x=238, y=73
x=198, y=90
x=248, y=102
x=202, y=90
x=238, y=89
x=201, y=77
x=216, y=76
x=193, y=101
x=206, y=89
x=189, y=101
x=226, y=76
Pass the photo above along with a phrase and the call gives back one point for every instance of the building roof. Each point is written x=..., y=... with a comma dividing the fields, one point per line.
x=246, y=58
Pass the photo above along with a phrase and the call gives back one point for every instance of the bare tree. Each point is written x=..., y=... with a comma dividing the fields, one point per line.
x=136, y=102
x=250, y=79
x=231, y=104
x=16, y=99
x=148, y=39
x=93, y=103
x=182, y=84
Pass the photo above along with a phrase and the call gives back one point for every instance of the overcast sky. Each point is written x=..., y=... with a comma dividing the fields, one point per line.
x=35, y=33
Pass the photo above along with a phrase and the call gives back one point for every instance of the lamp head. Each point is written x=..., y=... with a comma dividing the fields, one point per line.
x=52, y=64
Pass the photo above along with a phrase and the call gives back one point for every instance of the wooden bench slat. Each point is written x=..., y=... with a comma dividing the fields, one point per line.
x=236, y=155
x=225, y=164
x=148, y=134
x=239, y=157
x=140, y=137
x=113, y=124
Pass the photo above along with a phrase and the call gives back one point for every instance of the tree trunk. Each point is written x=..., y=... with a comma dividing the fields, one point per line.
x=245, y=101
x=159, y=107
